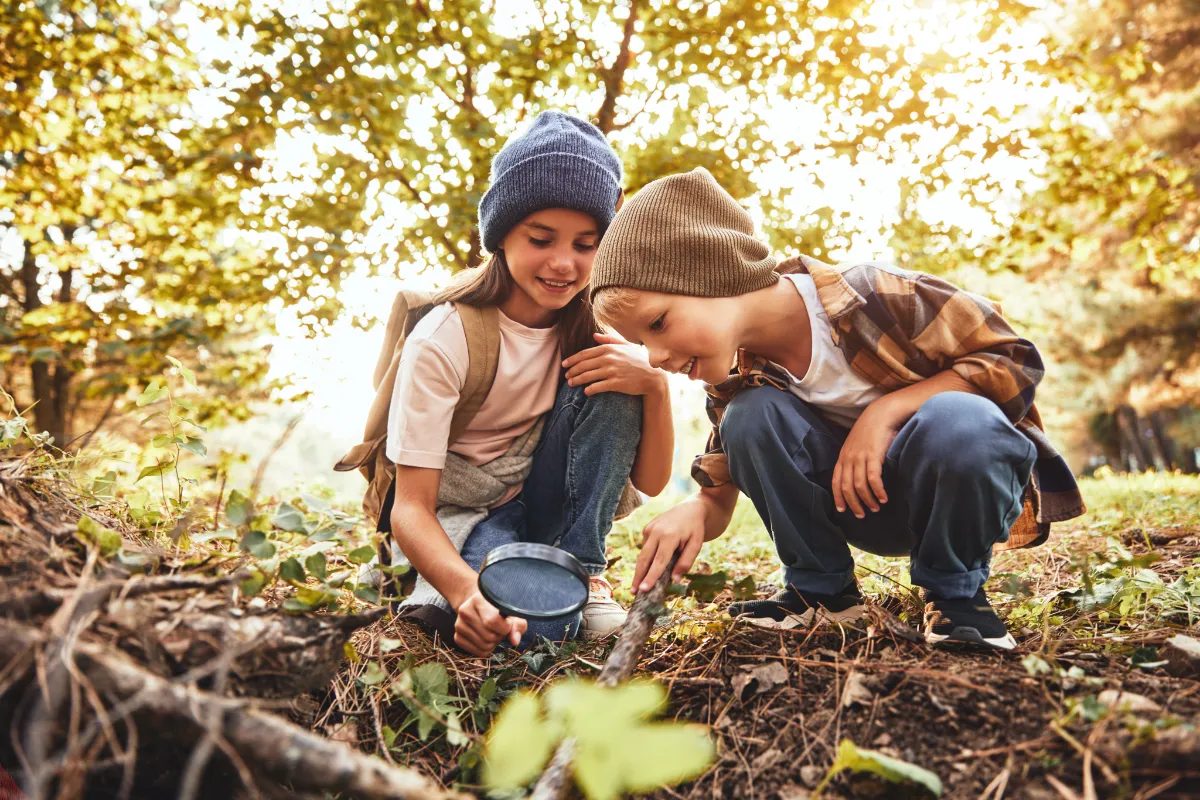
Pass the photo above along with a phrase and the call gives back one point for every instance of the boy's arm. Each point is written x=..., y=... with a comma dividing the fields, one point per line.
x=415, y=527
x=683, y=529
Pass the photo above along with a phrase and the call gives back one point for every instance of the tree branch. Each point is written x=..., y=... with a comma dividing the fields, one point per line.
x=615, y=74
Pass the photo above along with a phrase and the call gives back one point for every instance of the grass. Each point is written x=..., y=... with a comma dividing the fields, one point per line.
x=1114, y=541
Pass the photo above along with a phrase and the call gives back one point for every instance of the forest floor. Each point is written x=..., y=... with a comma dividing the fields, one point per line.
x=1093, y=611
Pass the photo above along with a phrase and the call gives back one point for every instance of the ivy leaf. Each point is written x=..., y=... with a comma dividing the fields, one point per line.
x=288, y=518
x=316, y=565
x=106, y=539
x=255, y=543
x=373, y=675
x=290, y=570
x=361, y=555
x=856, y=759
x=239, y=509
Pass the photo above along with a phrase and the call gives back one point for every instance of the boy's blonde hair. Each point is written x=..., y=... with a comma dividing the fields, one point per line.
x=611, y=302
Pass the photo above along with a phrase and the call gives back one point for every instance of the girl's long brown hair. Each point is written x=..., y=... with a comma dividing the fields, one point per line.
x=491, y=284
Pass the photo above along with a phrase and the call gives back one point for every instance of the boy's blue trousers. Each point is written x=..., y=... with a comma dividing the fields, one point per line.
x=955, y=478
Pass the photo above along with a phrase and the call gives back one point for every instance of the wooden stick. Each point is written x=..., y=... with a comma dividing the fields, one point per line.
x=619, y=666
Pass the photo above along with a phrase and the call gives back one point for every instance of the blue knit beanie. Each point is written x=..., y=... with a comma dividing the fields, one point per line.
x=560, y=162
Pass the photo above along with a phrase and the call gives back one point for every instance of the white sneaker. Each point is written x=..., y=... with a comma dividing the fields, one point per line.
x=602, y=616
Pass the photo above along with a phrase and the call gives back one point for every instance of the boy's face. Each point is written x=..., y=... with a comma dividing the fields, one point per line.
x=695, y=336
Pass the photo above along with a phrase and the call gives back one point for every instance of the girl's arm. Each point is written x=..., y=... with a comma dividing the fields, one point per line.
x=656, y=450
x=618, y=366
x=479, y=626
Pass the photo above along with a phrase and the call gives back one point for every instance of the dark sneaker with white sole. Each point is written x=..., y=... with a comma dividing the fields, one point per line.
x=844, y=606
x=968, y=620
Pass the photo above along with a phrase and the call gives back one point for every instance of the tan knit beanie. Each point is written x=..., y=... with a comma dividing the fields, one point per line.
x=684, y=234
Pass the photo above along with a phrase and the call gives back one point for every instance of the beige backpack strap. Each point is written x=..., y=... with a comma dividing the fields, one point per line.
x=482, y=326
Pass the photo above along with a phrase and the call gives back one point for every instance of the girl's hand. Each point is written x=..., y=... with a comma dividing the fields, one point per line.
x=614, y=366
x=480, y=627
x=858, y=476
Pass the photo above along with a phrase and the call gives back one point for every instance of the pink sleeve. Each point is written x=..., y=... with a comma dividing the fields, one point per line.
x=427, y=388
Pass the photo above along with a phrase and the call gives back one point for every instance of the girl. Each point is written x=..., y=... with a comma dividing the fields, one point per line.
x=547, y=456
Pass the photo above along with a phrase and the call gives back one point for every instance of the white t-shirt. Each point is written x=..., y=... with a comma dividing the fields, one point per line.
x=836, y=390
x=430, y=379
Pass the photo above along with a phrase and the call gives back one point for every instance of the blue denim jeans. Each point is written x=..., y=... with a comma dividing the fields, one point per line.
x=568, y=500
x=955, y=478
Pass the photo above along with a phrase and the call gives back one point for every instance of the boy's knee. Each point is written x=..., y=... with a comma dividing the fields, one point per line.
x=966, y=432
x=750, y=421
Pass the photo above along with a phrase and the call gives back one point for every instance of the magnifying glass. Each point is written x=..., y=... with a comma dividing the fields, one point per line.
x=533, y=581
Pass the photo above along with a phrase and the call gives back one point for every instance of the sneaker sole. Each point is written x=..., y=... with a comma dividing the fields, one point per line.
x=972, y=636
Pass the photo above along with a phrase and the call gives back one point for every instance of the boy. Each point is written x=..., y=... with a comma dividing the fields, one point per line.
x=867, y=406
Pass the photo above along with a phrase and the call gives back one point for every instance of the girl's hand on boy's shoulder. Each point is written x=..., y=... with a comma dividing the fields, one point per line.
x=858, y=477
x=614, y=365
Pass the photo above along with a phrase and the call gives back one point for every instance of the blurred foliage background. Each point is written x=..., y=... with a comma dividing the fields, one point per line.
x=240, y=184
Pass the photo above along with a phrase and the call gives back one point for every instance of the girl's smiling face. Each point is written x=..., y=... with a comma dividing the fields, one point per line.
x=694, y=336
x=549, y=256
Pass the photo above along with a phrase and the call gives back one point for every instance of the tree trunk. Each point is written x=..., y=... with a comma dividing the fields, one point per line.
x=51, y=389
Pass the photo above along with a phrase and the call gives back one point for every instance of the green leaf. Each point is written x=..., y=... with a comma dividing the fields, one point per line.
x=254, y=583
x=290, y=570
x=255, y=543
x=316, y=565
x=374, y=674
x=745, y=589
x=361, y=555
x=162, y=440
x=239, y=509
x=315, y=504
x=309, y=599
x=195, y=444
x=188, y=375
x=642, y=759
x=106, y=539
x=518, y=745
x=706, y=587
x=368, y=593
x=150, y=394
x=389, y=736
x=387, y=645
x=856, y=759
x=105, y=485
x=156, y=469
x=221, y=533
x=288, y=518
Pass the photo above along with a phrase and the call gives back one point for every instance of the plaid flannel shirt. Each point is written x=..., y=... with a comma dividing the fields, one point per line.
x=896, y=328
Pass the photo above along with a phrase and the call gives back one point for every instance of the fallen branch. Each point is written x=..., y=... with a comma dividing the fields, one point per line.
x=619, y=666
x=272, y=747
x=44, y=601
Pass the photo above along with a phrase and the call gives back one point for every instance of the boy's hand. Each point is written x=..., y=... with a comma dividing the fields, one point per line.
x=480, y=627
x=614, y=366
x=680, y=529
x=858, y=476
